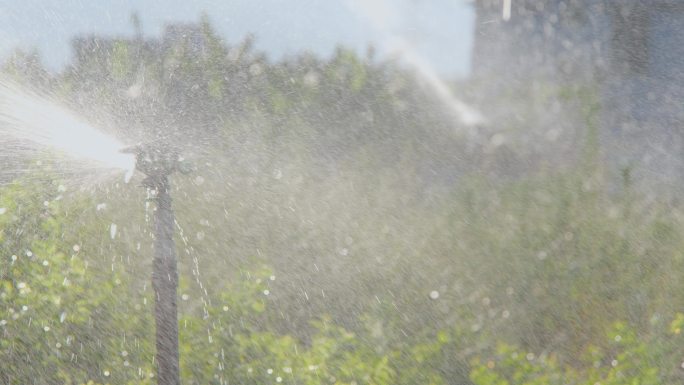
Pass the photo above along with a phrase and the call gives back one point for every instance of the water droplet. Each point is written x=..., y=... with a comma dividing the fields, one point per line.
x=497, y=140
x=255, y=69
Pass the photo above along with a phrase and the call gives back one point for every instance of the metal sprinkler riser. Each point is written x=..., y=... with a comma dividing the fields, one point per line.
x=157, y=162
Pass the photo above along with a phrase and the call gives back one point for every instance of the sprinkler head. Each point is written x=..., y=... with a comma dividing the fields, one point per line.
x=157, y=161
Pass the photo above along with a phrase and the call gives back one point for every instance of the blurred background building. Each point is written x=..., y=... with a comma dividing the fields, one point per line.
x=630, y=54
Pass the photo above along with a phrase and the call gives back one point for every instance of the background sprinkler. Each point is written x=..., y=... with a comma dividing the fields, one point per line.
x=157, y=162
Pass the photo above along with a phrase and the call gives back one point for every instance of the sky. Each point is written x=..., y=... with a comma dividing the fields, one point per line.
x=438, y=32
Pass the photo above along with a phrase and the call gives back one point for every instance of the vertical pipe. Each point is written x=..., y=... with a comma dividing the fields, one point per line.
x=165, y=284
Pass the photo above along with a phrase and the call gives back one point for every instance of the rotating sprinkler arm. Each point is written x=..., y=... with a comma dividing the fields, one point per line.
x=157, y=162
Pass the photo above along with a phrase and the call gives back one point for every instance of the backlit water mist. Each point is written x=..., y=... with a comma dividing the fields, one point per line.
x=348, y=218
x=35, y=121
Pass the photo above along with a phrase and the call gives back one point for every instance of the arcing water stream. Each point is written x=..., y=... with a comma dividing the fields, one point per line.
x=380, y=14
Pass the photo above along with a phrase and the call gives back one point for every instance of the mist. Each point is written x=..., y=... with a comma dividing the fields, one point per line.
x=191, y=207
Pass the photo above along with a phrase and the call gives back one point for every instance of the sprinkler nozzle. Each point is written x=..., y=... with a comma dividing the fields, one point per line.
x=157, y=161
